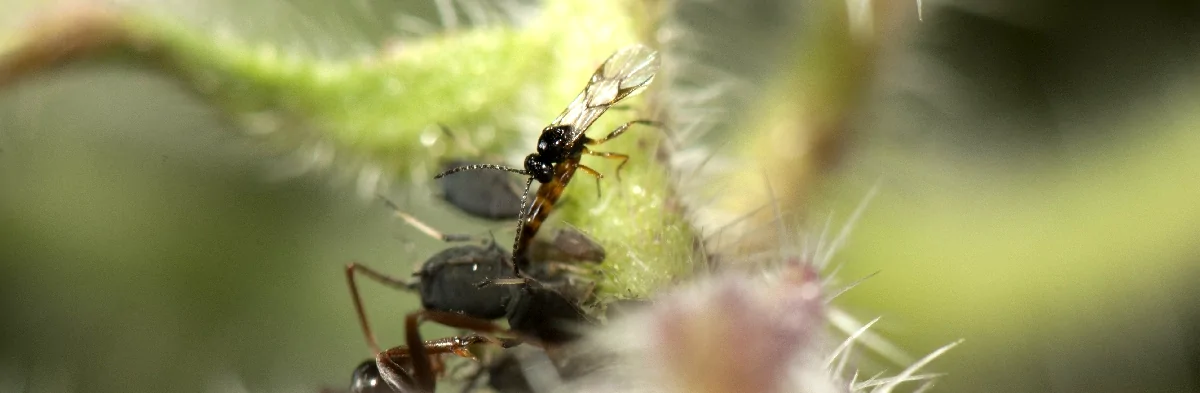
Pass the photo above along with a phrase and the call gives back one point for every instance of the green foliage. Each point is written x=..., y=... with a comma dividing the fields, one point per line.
x=385, y=109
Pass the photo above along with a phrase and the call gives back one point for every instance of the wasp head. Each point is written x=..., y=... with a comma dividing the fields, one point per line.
x=538, y=167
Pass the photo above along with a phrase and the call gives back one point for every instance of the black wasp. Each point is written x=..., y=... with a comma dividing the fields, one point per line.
x=562, y=143
x=448, y=286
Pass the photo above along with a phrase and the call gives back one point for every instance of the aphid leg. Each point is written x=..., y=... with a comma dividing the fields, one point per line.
x=587, y=292
x=465, y=367
x=575, y=290
x=423, y=357
x=471, y=382
x=418, y=353
x=485, y=327
x=423, y=227
x=558, y=267
x=393, y=373
x=358, y=307
x=597, y=175
x=422, y=367
x=615, y=156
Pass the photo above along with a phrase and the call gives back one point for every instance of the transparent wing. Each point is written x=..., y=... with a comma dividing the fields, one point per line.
x=625, y=73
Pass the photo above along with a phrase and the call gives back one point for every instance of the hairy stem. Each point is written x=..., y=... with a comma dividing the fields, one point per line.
x=385, y=109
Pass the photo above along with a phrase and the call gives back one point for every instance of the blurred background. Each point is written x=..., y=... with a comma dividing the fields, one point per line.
x=1038, y=165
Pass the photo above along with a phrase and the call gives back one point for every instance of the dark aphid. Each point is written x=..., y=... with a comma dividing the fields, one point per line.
x=366, y=379
x=620, y=308
x=519, y=370
x=446, y=281
x=539, y=317
x=562, y=143
x=506, y=371
x=504, y=374
x=486, y=194
x=412, y=368
x=566, y=245
x=464, y=286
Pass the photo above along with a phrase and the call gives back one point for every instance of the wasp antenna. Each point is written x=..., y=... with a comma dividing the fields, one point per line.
x=481, y=166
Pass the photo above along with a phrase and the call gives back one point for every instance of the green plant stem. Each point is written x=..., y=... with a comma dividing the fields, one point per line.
x=386, y=109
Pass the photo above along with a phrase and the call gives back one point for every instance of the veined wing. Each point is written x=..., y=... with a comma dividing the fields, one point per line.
x=625, y=73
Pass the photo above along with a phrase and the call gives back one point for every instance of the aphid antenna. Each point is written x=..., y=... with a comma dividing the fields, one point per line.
x=461, y=141
x=492, y=237
x=421, y=226
x=502, y=281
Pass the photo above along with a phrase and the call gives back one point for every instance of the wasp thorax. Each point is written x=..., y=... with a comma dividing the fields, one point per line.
x=552, y=145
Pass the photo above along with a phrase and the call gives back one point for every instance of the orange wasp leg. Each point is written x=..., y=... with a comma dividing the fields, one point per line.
x=615, y=133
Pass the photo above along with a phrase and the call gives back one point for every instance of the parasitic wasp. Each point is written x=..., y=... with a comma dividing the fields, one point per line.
x=563, y=143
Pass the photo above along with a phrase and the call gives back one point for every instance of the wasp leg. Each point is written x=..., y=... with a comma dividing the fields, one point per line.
x=384, y=279
x=595, y=174
x=614, y=156
x=621, y=130
x=615, y=133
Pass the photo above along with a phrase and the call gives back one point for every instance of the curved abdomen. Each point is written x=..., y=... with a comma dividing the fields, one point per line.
x=541, y=207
